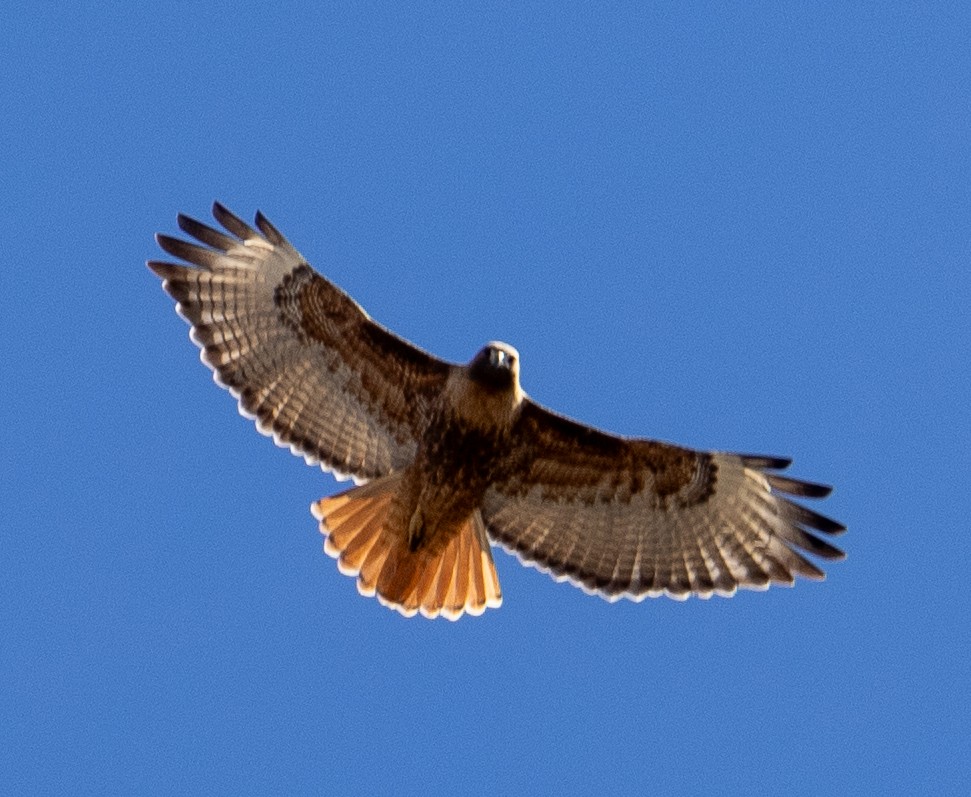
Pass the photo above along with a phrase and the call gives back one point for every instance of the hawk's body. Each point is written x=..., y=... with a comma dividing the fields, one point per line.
x=456, y=455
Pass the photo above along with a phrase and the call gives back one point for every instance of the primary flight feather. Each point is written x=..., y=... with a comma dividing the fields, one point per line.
x=451, y=457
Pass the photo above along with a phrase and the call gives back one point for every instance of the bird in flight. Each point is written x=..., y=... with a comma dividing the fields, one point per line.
x=449, y=458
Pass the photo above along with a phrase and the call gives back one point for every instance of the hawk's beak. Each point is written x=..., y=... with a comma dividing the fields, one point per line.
x=498, y=358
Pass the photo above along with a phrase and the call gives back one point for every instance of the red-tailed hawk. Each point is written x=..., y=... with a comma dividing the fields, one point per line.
x=454, y=457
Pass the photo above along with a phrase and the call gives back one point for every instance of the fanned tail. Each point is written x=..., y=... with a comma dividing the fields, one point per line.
x=449, y=580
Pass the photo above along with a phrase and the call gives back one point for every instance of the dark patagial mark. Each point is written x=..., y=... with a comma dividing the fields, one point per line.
x=289, y=299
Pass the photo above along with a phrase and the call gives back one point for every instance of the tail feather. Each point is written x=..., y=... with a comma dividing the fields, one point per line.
x=476, y=579
x=447, y=577
x=459, y=590
x=447, y=580
x=357, y=550
x=344, y=513
x=367, y=580
x=426, y=583
x=350, y=540
x=350, y=534
x=483, y=566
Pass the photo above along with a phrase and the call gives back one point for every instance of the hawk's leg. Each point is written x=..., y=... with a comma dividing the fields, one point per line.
x=416, y=530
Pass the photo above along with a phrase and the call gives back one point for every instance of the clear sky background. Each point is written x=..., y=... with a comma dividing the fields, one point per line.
x=733, y=226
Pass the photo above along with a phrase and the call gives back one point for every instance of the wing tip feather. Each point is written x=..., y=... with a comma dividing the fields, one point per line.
x=272, y=234
x=232, y=222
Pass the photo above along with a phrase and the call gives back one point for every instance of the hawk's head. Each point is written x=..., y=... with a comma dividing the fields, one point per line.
x=496, y=366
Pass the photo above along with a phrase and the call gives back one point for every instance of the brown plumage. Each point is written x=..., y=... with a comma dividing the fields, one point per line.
x=454, y=456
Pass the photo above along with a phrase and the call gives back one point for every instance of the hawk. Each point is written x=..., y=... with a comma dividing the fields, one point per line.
x=449, y=458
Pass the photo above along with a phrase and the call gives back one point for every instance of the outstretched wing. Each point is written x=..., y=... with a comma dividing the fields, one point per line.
x=636, y=518
x=303, y=359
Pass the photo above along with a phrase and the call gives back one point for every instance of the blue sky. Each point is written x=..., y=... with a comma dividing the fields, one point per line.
x=735, y=228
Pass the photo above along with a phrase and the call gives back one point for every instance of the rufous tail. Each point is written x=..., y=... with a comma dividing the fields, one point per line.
x=459, y=577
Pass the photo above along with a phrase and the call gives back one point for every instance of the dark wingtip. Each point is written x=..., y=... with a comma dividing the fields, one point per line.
x=272, y=233
x=764, y=462
x=823, y=549
x=158, y=268
x=825, y=524
x=797, y=487
x=204, y=233
x=200, y=256
x=169, y=244
x=803, y=516
x=810, y=571
x=232, y=222
x=834, y=527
